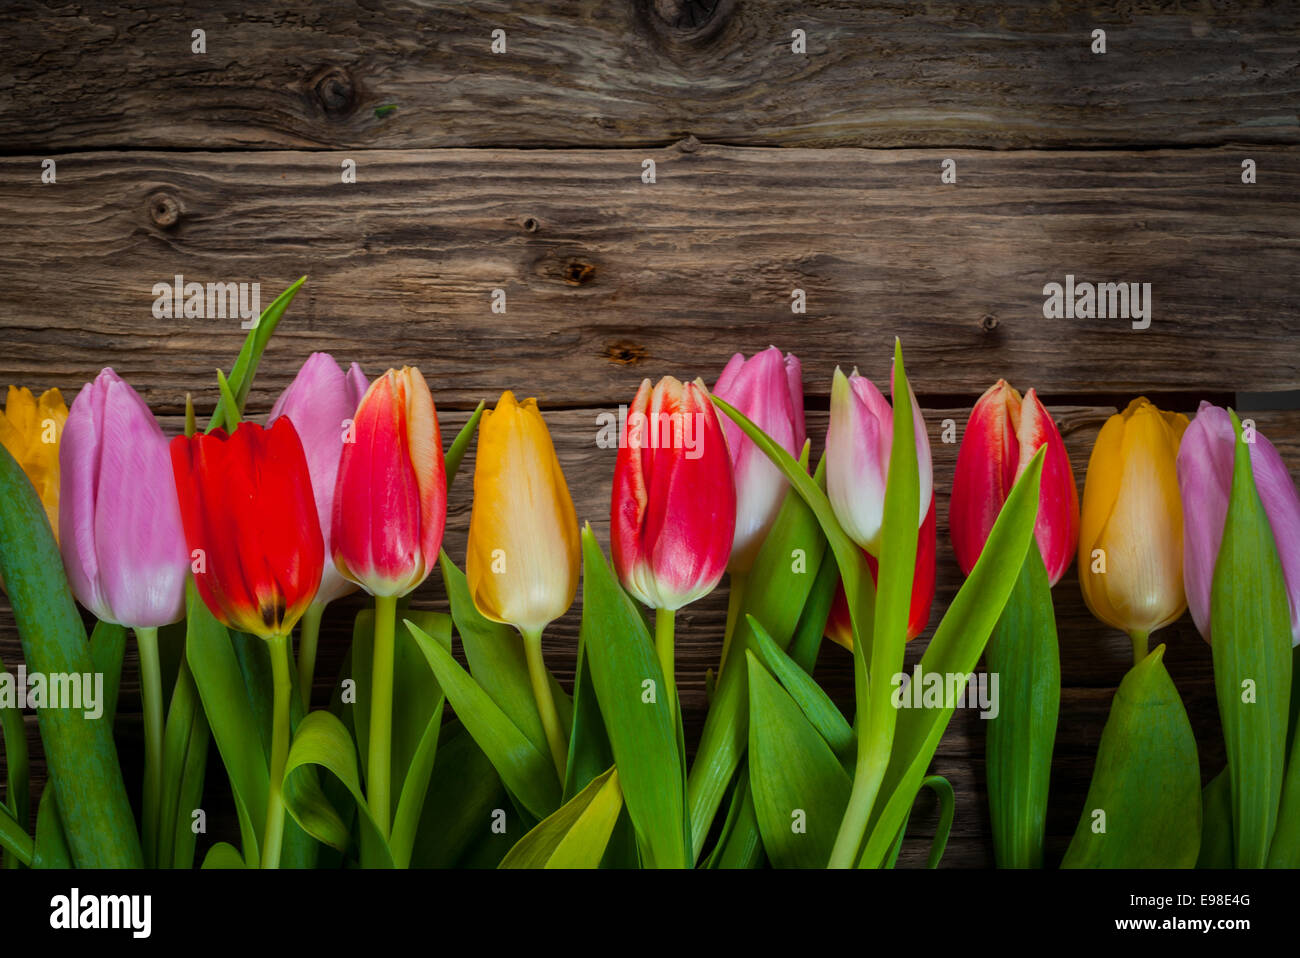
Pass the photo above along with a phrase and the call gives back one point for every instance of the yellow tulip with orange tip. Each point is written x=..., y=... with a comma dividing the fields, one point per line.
x=1131, y=527
x=523, y=555
x=30, y=429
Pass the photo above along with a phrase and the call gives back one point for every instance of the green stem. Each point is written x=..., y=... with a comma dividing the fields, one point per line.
x=381, y=715
x=307, y=639
x=664, y=619
x=734, y=599
x=541, y=682
x=146, y=639
x=17, y=790
x=279, y=645
x=1139, y=645
x=867, y=776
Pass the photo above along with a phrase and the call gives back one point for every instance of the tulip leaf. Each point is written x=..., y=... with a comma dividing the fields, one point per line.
x=185, y=749
x=800, y=789
x=414, y=788
x=1024, y=654
x=80, y=754
x=527, y=771
x=223, y=855
x=1216, y=823
x=14, y=838
x=51, y=847
x=456, y=452
x=1146, y=787
x=1250, y=624
x=815, y=704
x=574, y=835
x=321, y=741
x=954, y=650
x=107, y=647
x=633, y=697
x=460, y=809
x=250, y=353
x=589, y=751
x=793, y=548
x=942, y=789
x=13, y=732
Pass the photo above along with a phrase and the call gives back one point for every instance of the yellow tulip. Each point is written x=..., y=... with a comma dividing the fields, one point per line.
x=31, y=429
x=523, y=555
x=1131, y=535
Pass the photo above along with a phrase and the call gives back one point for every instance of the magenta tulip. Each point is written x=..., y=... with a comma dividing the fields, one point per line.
x=1205, y=481
x=768, y=389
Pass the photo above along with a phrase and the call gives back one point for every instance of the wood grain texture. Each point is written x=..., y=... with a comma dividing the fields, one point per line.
x=1094, y=657
x=609, y=279
x=1012, y=73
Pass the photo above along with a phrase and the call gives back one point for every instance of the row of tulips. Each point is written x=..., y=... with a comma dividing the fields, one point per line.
x=248, y=530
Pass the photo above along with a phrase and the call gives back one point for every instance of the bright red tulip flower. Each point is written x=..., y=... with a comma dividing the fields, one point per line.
x=390, y=502
x=674, y=504
x=839, y=628
x=1001, y=437
x=250, y=523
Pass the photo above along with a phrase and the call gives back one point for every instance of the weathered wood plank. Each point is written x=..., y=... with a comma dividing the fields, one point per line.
x=1014, y=73
x=610, y=279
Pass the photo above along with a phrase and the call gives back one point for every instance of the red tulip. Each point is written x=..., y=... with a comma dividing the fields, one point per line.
x=250, y=523
x=1002, y=436
x=390, y=502
x=839, y=629
x=674, y=504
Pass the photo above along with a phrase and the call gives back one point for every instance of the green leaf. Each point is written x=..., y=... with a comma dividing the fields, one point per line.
x=644, y=736
x=589, y=750
x=51, y=847
x=107, y=647
x=18, y=799
x=1216, y=824
x=250, y=354
x=942, y=789
x=184, y=720
x=1250, y=623
x=1147, y=783
x=576, y=834
x=800, y=789
x=321, y=741
x=527, y=771
x=414, y=788
x=815, y=704
x=955, y=649
x=1023, y=653
x=79, y=752
x=459, y=810
x=223, y=855
x=461, y=443
x=14, y=837
x=229, y=405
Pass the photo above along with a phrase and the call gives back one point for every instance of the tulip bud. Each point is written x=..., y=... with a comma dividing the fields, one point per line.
x=122, y=543
x=250, y=523
x=768, y=390
x=31, y=430
x=1131, y=526
x=390, y=501
x=839, y=626
x=858, y=443
x=1205, y=464
x=523, y=554
x=321, y=402
x=674, y=503
x=1001, y=438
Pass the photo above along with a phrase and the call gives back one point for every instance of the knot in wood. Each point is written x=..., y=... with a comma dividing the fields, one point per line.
x=689, y=20
x=625, y=354
x=989, y=323
x=164, y=210
x=335, y=91
x=578, y=273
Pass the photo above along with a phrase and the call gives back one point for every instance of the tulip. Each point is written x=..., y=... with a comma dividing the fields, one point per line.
x=30, y=429
x=523, y=553
x=1002, y=436
x=768, y=390
x=1205, y=463
x=390, y=507
x=1131, y=526
x=122, y=544
x=858, y=442
x=257, y=554
x=320, y=402
x=839, y=627
x=673, y=514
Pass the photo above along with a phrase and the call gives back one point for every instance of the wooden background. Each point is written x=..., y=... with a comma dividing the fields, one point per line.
x=775, y=171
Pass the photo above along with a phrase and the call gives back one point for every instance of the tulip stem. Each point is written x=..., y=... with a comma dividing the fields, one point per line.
x=541, y=681
x=146, y=639
x=381, y=714
x=283, y=685
x=664, y=619
x=1140, y=640
x=307, y=639
x=735, y=597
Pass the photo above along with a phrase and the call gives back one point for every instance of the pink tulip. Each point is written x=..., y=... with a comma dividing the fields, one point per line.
x=321, y=402
x=119, y=519
x=768, y=389
x=858, y=443
x=1205, y=480
x=674, y=503
x=1002, y=436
